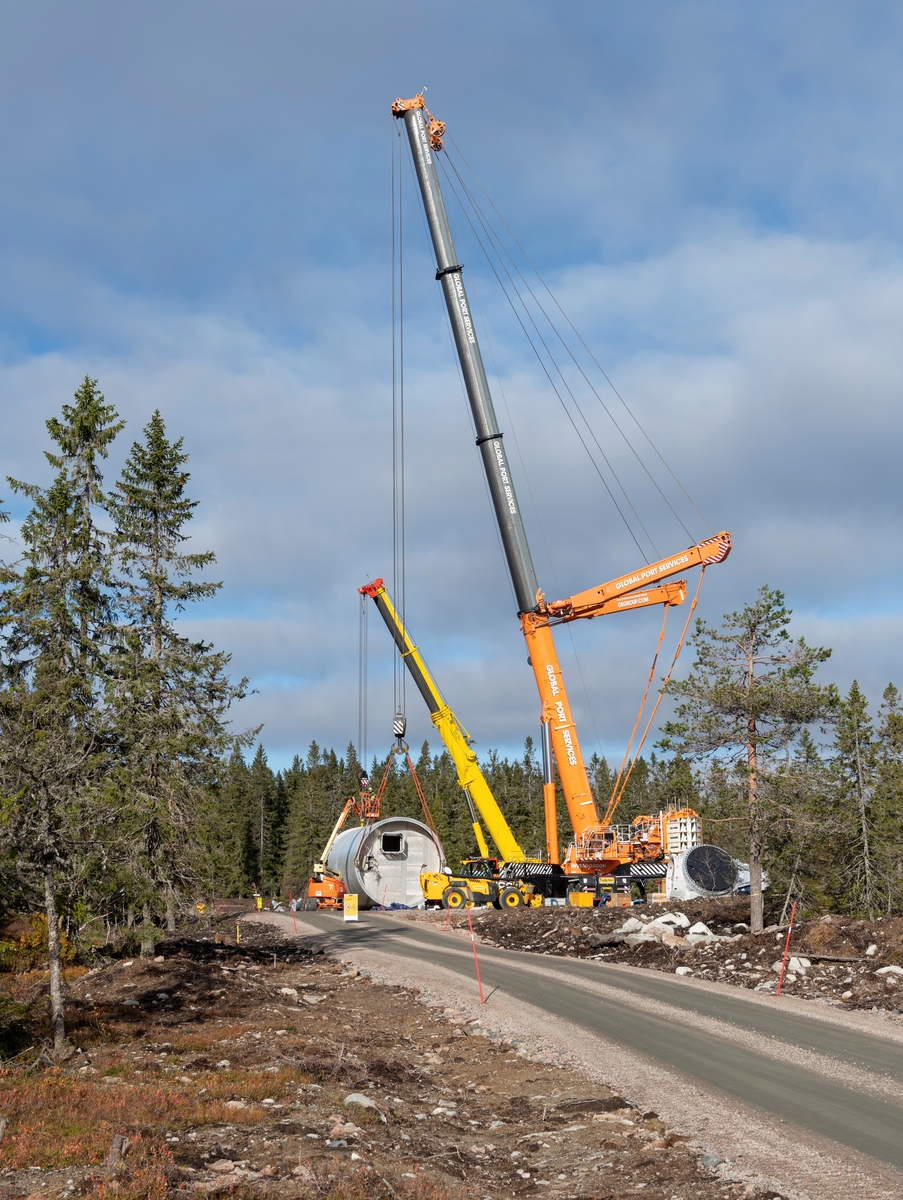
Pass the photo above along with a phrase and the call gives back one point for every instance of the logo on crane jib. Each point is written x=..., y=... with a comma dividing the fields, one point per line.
x=566, y=734
x=506, y=482
x=465, y=314
x=652, y=572
x=553, y=684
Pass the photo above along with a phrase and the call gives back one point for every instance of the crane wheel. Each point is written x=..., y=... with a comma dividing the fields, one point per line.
x=454, y=897
x=309, y=903
x=511, y=898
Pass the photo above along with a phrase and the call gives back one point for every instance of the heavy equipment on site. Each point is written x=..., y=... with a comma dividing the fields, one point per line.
x=326, y=888
x=360, y=858
x=511, y=879
x=599, y=847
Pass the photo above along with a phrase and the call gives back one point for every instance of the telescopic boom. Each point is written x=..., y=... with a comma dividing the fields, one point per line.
x=592, y=839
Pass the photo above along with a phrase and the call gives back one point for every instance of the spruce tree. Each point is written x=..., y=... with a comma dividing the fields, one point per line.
x=888, y=796
x=854, y=766
x=170, y=696
x=55, y=621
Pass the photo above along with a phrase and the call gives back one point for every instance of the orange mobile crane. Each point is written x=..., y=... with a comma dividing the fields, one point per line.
x=599, y=847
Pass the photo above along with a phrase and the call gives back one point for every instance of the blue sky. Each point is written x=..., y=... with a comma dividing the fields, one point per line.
x=196, y=211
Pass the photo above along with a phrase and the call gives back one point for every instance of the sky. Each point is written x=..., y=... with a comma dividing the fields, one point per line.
x=196, y=211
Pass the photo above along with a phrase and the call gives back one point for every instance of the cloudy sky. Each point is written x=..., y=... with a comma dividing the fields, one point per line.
x=196, y=211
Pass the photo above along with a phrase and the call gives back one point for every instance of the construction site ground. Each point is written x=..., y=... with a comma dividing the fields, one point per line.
x=219, y=1068
x=837, y=959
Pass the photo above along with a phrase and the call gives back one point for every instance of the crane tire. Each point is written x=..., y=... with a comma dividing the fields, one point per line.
x=454, y=897
x=309, y=903
x=511, y=898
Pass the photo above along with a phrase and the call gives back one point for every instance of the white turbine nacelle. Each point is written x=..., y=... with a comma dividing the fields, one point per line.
x=706, y=873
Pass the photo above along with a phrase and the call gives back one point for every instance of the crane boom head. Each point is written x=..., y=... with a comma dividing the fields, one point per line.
x=436, y=128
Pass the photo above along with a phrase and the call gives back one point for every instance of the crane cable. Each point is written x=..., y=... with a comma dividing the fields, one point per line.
x=617, y=793
x=545, y=369
x=582, y=342
x=362, y=665
x=398, y=497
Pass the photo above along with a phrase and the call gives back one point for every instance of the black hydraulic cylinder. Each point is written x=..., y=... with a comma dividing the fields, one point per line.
x=546, y=735
x=489, y=438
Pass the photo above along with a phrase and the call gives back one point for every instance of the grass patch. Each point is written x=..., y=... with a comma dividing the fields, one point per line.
x=57, y=1121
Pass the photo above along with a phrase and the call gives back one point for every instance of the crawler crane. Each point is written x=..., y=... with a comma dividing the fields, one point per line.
x=599, y=847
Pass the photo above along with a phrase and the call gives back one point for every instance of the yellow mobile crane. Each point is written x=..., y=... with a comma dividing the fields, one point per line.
x=511, y=879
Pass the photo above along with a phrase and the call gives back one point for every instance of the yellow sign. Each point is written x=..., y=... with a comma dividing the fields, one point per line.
x=349, y=906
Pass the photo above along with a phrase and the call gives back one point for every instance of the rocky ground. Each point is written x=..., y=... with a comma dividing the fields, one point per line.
x=263, y=1069
x=858, y=964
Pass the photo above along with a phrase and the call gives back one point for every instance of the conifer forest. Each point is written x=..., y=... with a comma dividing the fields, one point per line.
x=129, y=793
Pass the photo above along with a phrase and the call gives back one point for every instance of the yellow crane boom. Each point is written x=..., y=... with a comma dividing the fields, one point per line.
x=454, y=737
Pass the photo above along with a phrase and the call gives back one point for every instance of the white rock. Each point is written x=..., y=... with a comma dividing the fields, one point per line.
x=700, y=930
x=846, y=996
x=293, y=992
x=637, y=939
x=683, y=971
x=799, y=966
x=363, y=1102
x=631, y=925
x=889, y=971
x=678, y=920
x=872, y=950
x=776, y=966
x=224, y=1062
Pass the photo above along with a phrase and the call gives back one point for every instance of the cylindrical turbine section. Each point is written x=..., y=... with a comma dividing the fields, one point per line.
x=382, y=862
x=489, y=439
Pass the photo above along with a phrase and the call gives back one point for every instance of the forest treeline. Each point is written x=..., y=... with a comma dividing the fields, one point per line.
x=126, y=796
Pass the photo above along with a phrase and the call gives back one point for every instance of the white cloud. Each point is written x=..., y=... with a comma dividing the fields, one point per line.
x=773, y=390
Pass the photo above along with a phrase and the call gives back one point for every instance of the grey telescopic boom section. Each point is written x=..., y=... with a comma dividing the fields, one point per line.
x=489, y=438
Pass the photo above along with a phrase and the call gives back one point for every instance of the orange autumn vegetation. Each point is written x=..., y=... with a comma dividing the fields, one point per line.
x=57, y=1121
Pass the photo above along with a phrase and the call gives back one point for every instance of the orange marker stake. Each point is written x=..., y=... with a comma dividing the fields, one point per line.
x=476, y=963
x=291, y=904
x=786, y=949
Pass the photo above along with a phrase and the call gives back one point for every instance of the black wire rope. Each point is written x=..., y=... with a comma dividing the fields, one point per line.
x=398, y=513
x=363, y=651
x=554, y=387
x=526, y=476
x=583, y=343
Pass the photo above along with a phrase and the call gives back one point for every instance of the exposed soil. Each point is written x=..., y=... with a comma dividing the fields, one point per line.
x=228, y=1068
x=831, y=959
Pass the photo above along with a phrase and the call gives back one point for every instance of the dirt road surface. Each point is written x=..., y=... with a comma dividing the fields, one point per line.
x=793, y=1095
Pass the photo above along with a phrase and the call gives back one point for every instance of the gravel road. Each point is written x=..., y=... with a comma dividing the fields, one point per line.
x=795, y=1096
